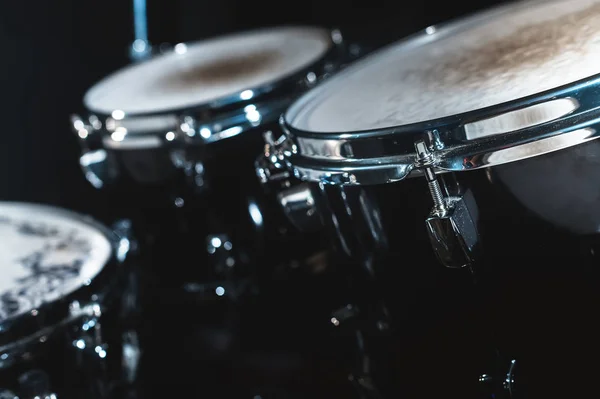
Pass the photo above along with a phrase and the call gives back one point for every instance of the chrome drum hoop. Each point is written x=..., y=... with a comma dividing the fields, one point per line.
x=559, y=118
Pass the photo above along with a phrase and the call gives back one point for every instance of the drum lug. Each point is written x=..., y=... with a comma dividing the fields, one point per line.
x=94, y=161
x=296, y=201
x=298, y=204
x=452, y=223
x=271, y=166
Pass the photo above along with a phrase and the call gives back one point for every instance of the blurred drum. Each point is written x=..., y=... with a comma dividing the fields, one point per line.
x=174, y=140
x=498, y=115
x=62, y=304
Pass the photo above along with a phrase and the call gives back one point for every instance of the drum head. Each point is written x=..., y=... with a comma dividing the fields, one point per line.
x=205, y=71
x=491, y=58
x=45, y=254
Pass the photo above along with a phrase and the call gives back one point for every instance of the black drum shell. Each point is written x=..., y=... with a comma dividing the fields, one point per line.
x=173, y=216
x=531, y=274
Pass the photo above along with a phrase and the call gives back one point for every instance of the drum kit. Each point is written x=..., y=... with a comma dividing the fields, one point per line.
x=430, y=205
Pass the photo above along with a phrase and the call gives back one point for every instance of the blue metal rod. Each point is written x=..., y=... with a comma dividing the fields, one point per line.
x=140, y=22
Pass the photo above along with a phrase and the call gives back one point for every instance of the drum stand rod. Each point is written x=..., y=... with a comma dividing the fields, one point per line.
x=140, y=47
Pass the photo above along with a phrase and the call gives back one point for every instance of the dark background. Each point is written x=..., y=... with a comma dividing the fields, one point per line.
x=53, y=51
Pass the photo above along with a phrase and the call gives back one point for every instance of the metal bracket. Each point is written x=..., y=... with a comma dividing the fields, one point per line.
x=296, y=200
x=500, y=384
x=96, y=163
x=452, y=222
x=140, y=48
x=271, y=165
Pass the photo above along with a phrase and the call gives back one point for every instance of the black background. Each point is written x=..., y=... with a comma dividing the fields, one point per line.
x=53, y=51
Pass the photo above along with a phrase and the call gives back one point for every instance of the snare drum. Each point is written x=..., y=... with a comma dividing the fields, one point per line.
x=61, y=291
x=497, y=114
x=184, y=129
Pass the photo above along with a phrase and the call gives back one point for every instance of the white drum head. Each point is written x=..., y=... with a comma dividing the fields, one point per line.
x=504, y=54
x=45, y=255
x=208, y=70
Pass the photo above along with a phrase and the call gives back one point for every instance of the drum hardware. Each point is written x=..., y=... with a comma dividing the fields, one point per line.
x=187, y=154
x=131, y=356
x=271, y=165
x=299, y=207
x=141, y=48
x=94, y=161
x=128, y=246
x=452, y=223
x=500, y=384
x=295, y=199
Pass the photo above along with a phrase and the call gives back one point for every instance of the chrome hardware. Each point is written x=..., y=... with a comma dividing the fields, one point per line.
x=499, y=385
x=97, y=168
x=336, y=36
x=140, y=48
x=188, y=158
x=187, y=126
x=35, y=384
x=123, y=228
x=131, y=356
x=85, y=128
x=311, y=79
x=298, y=204
x=296, y=200
x=344, y=315
x=452, y=223
x=509, y=382
x=125, y=245
x=272, y=166
x=94, y=162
